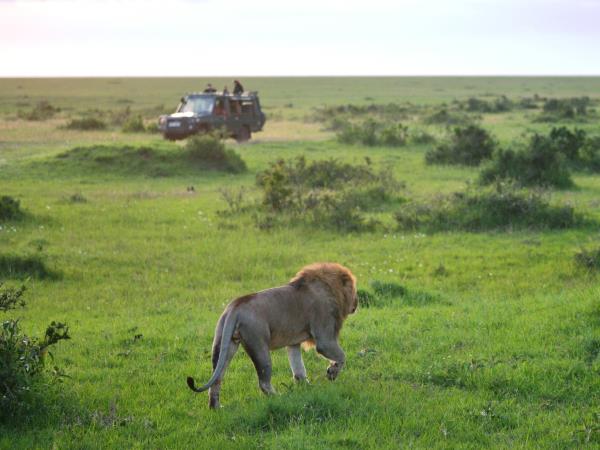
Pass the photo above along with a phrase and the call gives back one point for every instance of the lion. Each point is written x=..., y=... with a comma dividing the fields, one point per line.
x=308, y=311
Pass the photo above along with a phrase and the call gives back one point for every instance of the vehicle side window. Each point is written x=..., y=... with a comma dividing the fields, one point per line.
x=219, y=107
x=248, y=107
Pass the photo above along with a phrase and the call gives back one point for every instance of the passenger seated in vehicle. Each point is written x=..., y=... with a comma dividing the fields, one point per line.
x=220, y=109
x=209, y=89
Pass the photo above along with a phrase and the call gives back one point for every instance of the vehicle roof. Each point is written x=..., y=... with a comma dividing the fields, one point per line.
x=244, y=96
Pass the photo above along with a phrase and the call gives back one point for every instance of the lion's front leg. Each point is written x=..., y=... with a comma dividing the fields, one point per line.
x=296, y=363
x=331, y=350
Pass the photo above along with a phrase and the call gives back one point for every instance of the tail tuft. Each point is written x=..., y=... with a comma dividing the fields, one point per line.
x=191, y=384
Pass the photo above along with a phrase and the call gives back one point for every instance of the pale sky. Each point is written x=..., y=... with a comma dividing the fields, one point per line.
x=306, y=37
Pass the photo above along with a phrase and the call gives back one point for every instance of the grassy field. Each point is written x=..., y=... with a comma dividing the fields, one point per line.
x=502, y=350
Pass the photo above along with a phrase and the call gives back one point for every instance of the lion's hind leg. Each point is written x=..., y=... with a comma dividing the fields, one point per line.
x=261, y=358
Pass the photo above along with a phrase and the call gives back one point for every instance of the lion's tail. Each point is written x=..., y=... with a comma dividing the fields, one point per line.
x=226, y=336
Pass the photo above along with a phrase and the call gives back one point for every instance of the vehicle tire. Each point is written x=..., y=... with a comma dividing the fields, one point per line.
x=243, y=135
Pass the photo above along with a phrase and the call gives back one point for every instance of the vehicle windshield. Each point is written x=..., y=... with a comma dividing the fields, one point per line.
x=197, y=105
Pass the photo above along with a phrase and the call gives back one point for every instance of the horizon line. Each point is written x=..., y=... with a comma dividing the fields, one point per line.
x=316, y=76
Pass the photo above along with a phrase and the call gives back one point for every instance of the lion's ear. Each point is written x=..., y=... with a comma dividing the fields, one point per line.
x=346, y=279
x=298, y=282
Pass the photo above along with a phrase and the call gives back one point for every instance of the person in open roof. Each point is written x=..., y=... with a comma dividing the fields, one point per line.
x=237, y=88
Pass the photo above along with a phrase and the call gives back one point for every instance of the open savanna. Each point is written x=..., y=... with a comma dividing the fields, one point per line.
x=502, y=349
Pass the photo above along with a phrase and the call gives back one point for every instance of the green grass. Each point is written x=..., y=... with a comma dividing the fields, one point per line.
x=498, y=349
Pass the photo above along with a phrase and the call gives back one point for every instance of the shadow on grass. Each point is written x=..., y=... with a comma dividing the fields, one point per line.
x=47, y=403
x=21, y=267
x=204, y=153
x=392, y=294
x=305, y=405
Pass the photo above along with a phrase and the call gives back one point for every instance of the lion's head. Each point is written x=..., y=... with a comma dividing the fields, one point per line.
x=339, y=279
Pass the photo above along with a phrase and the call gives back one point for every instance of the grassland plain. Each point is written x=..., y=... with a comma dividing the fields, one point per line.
x=502, y=352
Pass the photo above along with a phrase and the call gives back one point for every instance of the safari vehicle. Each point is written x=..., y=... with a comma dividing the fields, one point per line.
x=236, y=115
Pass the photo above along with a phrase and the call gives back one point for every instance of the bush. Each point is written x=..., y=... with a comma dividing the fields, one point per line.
x=588, y=259
x=86, y=124
x=445, y=117
x=500, y=104
x=589, y=154
x=42, y=111
x=134, y=125
x=567, y=107
x=325, y=192
x=500, y=207
x=468, y=145
x=120, y=116
x=10, y=208
x=421, y=137
x=372, y=133
x=22, y=358
x=555, y=109
x=567, y=142
x=389, y=111
x=541, y=163
x=208, y=150
x=11, y=298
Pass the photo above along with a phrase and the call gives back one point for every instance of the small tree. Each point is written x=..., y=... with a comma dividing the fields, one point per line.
x=22, y=358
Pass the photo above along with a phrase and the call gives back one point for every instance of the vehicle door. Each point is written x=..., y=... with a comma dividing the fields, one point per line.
x=235, y=119
x=247, y=115
x=221, y=112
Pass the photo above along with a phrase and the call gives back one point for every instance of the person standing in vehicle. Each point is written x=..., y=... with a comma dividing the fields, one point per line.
x=237, y=88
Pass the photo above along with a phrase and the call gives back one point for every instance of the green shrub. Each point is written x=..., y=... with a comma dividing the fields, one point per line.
x=468, y=145
x=372, y=133
x=445, y=117
x=555, y=109
x=337, y=210
x=588, y=259
x=11, y=298
x=22, y=358
x=134, y=124
x=120, y=116
x=589, y=154
x=10, y=208
x=210, y=151
x=325, y=192
x=42, y=111
x=499, y=207
x=567, y=142
x=546, y=160
x=86, y=124
x=393, y=135
x=417, y=136
x=389, y=111
x=540, y=163
x=500, y=104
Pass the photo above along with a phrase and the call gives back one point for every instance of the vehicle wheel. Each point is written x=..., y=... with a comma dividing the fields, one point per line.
x=243, y=135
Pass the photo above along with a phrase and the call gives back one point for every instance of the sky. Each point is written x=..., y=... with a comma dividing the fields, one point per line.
x=308, y=37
